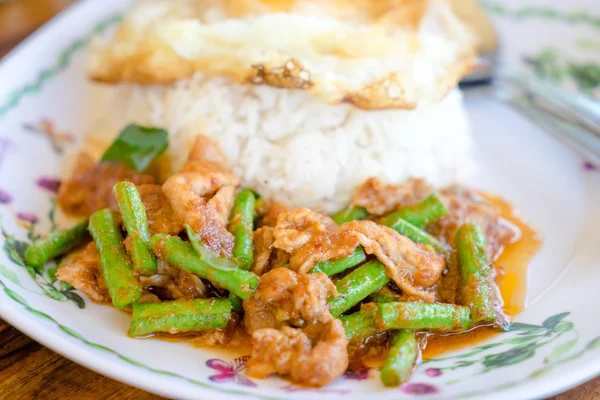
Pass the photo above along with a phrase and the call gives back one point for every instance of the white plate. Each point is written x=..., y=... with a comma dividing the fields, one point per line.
x=44, y=80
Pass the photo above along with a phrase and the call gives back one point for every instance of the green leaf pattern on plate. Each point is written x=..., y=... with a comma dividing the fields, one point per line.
x=46, y=278
x=62, y=62
x=549, y=13
x=551, y=322
x=523, y=343
x=10, y=275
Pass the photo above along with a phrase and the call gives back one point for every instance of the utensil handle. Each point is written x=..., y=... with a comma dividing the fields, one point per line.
x=576, y=136
x=570, y=106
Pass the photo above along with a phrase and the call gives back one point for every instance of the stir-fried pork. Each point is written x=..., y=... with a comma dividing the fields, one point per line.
x=202, y=194
x=410, y=265
x=160, y=214
x=314, y=355
x=284, y=297
x=295, y=228
x=293, y=332
x=173, y=283
x=222, y=202
x=82, y=270
x=311, y=237
x=267, y=257
x=290, y=352
x=263, y=241
x=269, y=211
x=90, y=187
x=379, y=198
x=468, y=205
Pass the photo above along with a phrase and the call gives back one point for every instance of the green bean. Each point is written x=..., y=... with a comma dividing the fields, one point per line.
x=398, y=365
x=476, y=275
x=361, y=324
x=178, y=253
x=236, y=303
x=439, y=317
x=332, y=267
x=241, y=224
x=419, y=236
x=260, y=204
x=357, y=285
x=135, y=221
x=429, y=210
x=56, y=244
x=350, y=213
x=116, y=267
x=385, y=295
x=179, y=316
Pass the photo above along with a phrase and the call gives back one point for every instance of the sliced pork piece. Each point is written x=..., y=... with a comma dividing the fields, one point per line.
x=380, y=198
x=327, y=246
x=202, y=195
x=222, y=202
x=284, y=297
x=90, y=186
x=160, y=214
x=82, y=270
x=171, y=283
x=310, y=237
x=312, y=351
x=411, y=266
x=295, y=228
x=467, y=205
x=290, y=352
x=269, y=211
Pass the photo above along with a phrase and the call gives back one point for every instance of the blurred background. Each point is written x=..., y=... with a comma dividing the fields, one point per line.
x=18, y=18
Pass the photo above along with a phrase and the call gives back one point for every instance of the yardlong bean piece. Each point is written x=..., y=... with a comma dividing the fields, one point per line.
x=419, y=236
x=56, y=244
x=385, y=295
x=332, y=267
x=178, y=253
x=429, y=210
x=357, y=285
x=179, y=316
x=116, y=267
x=439, y=317
x=398, y=365
x=236, y=303
x=350, y=213
x=361, y=324
x=241, y=224
x=476, y=276
x=135, y=221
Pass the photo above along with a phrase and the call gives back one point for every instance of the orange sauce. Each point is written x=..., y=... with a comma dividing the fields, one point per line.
x=511, y=266
x=434, y=345
x=511, y=278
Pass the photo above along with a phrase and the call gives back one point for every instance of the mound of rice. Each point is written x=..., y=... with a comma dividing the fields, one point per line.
x=291, y=146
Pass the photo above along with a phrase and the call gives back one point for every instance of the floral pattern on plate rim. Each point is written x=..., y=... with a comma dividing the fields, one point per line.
x=524, y=341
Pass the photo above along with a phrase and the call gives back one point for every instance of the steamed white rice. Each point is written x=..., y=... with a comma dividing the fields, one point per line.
x=293, y=147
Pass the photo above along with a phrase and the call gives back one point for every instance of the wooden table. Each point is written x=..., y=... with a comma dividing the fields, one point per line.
x=28, y=370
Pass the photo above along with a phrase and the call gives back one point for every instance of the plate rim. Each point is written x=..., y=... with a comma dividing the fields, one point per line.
x=113, y=368
x=126, y=373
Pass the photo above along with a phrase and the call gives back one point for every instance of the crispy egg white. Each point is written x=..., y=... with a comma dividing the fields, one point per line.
x=375, y=54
